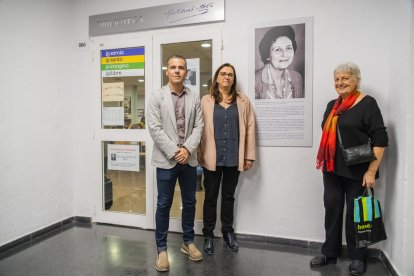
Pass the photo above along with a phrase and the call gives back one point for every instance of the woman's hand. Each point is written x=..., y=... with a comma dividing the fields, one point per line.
x=200, y=159
x=369, y=179
x=247, y=164
x=199, y=155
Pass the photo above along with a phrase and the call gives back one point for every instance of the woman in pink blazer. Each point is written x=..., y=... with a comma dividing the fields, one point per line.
x=227, y=147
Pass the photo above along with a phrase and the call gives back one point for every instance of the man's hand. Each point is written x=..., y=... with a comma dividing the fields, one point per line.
x=182, y=155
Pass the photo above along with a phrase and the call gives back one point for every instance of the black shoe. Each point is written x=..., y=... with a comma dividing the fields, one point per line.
x=208, y=246
x=322, y=260
x=231, y=241
x=357, y=267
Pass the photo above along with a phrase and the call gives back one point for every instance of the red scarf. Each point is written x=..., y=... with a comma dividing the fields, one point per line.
x=327, y=147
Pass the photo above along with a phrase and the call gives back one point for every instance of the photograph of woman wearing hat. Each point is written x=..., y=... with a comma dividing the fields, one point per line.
x=277, y=79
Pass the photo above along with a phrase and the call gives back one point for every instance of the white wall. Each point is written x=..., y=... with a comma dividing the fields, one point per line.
x=282, y=195
x=407, y=265
x=397, y=197
x=35, y=116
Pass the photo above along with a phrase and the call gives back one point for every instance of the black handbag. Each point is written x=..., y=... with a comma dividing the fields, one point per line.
x=368, y=220
x=357, y=155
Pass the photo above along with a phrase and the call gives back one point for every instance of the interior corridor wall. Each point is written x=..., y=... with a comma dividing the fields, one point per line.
x=282, y=195
x=35, y=116
x=408, y=237
x=398, y=188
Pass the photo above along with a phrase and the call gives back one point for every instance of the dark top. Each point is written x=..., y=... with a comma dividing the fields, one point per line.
x=226, y=135
x=357, y=124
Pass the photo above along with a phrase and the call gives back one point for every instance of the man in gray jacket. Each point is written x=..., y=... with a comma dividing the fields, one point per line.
x=175, y=124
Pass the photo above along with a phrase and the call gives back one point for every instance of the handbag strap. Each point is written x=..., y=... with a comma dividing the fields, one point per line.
x=339, y=137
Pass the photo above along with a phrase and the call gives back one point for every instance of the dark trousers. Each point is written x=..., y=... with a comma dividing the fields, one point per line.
x=337, y=191
x=212, y=180
x=166, y=180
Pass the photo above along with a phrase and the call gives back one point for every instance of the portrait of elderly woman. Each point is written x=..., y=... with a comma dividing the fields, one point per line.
x=278, y=78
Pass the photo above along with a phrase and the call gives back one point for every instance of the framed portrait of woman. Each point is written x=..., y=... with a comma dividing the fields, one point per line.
x=281, y=78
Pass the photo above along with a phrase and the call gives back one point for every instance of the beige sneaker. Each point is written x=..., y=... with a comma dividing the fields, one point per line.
x=191, y=250
x=162, y=263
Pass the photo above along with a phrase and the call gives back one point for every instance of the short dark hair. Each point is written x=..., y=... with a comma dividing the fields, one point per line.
x=270, y=37
x=180, y=57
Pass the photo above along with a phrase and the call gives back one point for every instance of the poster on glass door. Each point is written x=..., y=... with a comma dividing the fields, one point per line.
x=192, y=80
x=124, y=62
x=123, y=157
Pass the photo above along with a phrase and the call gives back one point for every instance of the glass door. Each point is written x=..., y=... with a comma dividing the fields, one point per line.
x=202, y=49
x=127, y=69
x=121, y=140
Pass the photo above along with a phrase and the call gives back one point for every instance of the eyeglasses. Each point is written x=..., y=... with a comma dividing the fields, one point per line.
x=224, y=74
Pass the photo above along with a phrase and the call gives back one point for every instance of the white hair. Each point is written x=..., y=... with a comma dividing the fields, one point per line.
x=349, y=67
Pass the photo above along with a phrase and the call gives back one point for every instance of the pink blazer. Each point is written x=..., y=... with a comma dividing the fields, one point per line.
x=206, y=153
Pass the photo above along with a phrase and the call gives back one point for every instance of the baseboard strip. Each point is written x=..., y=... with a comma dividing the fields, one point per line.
x=372, y=252
x=43, y=232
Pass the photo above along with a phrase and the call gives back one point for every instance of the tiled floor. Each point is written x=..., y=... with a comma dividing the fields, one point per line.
x=108, y=250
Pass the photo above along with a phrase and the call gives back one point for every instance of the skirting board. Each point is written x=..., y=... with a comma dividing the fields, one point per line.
x=311, y=245
x=44, y=232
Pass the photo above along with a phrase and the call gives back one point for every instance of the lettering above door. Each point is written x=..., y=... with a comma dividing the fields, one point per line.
x=186, y=13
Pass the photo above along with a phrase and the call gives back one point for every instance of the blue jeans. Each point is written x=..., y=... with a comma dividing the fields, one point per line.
x=166, y=180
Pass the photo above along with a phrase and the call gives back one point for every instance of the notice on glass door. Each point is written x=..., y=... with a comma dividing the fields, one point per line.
x=113, y=116
x=192, y=79
x=123, y=157
x=113, y=92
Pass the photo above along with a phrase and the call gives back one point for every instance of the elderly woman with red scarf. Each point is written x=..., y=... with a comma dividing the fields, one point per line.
x=359, y=118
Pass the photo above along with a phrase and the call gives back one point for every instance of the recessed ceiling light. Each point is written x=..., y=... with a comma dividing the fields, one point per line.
x=206, y=45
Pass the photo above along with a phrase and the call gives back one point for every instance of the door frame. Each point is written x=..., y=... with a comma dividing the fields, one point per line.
x=152, y=41
x=179, y=35
x=100, y=135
